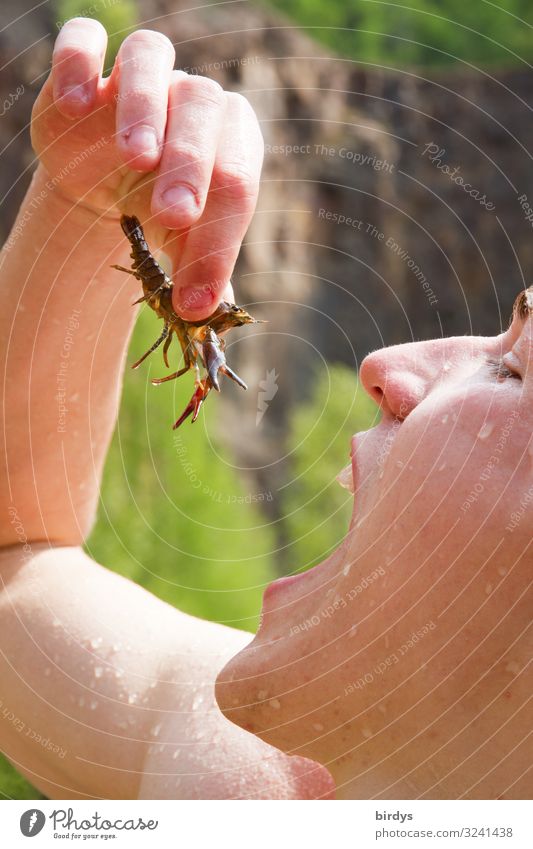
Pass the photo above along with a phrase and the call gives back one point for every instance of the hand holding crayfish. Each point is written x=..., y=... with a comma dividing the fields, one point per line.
x=198, y=339
x=175, y=150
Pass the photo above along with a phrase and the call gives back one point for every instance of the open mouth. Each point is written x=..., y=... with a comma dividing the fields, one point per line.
x=369, y=449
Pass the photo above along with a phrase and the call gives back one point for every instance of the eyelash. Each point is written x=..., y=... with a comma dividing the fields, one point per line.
x=501, y=371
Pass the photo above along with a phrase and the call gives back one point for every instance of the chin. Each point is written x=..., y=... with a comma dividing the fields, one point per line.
x=234, y=686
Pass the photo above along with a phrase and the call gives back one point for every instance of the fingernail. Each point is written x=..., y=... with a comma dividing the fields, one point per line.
x=75, y=94
x=195, y=298
x=179, y=196
x=143, y=139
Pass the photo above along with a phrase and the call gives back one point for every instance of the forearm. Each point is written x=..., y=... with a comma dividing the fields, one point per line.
x=65, y=324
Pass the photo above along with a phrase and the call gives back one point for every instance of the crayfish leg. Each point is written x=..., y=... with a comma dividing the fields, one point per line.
x=157, y=380
x=165, y=349
x=126, y=271
x=156, y=344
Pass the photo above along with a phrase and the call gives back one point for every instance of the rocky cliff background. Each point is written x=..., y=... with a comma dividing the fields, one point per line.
x=364, y=234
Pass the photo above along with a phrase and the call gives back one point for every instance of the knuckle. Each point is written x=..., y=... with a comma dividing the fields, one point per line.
x=236, y=183
x=142, y=97
x=149, y=38
x=203, y=88
x=239, y=103
x=183, y=159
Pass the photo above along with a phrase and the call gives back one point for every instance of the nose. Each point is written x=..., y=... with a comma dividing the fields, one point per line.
x=397, y=378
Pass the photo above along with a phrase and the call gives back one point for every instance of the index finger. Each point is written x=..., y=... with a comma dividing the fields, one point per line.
x=213, y=243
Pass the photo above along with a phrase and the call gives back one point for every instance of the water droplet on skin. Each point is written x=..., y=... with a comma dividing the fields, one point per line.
x=317, y=726
x=96, y=642
x=56, y=623
x=261, y=696
x=513, y=668
x=502, y=571
x=94, y=704
x=360, y=522
x=488, y=589
x=175, y=754
x=447, y=366
x=353, y=631
x=366, y=732
x=156, y=729
x=441, y=468
x=346, y=569
x=445, y=419
x=98, y=671
x=381, y=474
x=399, y=464
x=197, y=701
x=486, y=430
x=275, y=704
x=132, y=698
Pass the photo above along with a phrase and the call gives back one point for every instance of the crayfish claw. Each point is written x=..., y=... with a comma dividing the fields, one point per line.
x=225, y=369
x=194, y=405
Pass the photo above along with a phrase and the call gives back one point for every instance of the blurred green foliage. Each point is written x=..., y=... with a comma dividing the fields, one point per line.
x=175, y=515
x=419, y=32
x=316, y=509
x=13, y=785
x=119, y=17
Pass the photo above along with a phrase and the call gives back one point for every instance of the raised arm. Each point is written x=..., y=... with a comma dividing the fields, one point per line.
x=176, y=151
x=106, y=690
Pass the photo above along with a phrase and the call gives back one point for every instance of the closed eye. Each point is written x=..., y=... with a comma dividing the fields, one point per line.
x=500, y=370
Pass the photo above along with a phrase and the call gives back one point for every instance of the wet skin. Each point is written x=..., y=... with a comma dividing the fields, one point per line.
x=401, y=661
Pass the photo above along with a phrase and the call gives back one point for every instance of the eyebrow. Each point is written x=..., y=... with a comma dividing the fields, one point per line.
x=523, y=305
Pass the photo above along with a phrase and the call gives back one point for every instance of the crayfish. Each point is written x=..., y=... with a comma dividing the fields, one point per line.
x=198, y=339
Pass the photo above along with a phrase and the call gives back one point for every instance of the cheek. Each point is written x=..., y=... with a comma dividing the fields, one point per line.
x=457, y=462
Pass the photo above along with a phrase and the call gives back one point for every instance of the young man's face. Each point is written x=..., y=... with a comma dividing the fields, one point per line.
x=433, y=569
